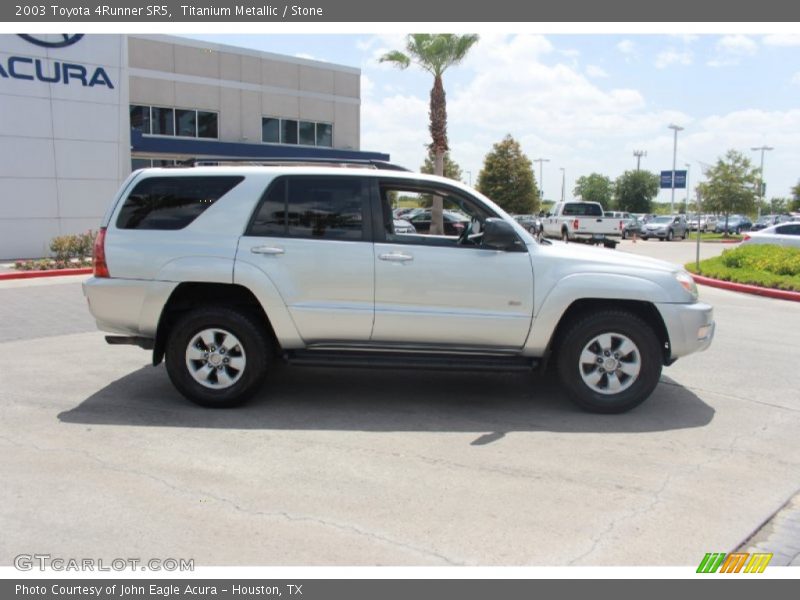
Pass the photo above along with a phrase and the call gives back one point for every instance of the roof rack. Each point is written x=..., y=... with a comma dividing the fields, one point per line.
x=271, y=160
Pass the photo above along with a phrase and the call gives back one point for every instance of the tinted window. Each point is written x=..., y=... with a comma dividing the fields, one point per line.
x=140, y=118
x=271, y=130
x=313, y=207
x=162, y=121
x=578, y=209
x=288, y=132
x=171, y=202
x=270, y=218
x=788, y=229
x=186, y=122
x=207, y=124
x=307, y=133
x=324, y=134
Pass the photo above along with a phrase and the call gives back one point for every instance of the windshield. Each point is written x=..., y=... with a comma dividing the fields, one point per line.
x=662, y=220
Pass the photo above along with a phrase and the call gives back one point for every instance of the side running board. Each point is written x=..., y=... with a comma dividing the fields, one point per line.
x=407, y=360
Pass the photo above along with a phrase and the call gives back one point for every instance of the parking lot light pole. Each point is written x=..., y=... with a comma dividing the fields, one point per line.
x=541, y=180
x=676, y=129
x=761, y=176
x=686, y=207
x=563, y=181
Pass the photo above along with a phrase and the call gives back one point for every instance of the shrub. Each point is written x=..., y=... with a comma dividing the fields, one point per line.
x=764, y=265
x=67, y=247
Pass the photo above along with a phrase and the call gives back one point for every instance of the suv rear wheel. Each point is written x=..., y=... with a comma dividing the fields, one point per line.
x=609, y=361
x=217, y=357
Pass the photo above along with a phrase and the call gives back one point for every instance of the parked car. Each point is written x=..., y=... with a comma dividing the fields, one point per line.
x=665, y=228
x=218, y=271
x=582, y=222
x=735, y=224
x=785, y=234
x=454, y=222
x=530, y=222
x=765, y=221
x=403, y=226
x=703, y=223
x=632, y=227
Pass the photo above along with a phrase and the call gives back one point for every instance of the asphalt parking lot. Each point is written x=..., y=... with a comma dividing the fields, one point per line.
x=102, y=458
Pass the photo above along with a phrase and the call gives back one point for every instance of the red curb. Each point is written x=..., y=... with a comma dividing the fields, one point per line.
x=50, y=273
x=747, y=289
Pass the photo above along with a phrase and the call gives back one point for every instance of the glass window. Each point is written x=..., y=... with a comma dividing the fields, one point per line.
x=171, y=202
x=288, y=131
x=140, y=163
x=186, y=121
x=207, y=124
x=459, y=214
x=325, y=135
x=330, y=208
x=162, y=121
x=577, y=209
x=308, y=135
x=270, y=219
x=271, y=130
x=140, y=118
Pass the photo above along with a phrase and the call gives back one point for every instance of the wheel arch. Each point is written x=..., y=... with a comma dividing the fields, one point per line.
x=192, y=295
x=645, y=310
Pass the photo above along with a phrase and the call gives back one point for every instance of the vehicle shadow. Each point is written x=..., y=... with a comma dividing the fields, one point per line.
x=387, y=400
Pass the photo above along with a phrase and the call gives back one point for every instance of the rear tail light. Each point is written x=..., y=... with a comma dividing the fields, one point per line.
x=746, y=237
x=575, y=224
x=99, y=254
x=621, y=225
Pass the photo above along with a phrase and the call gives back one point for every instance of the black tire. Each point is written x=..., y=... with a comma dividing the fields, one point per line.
x=624, y=234
x=670, y=235
x=253, y=345
x=564, y=235
x=618, y=325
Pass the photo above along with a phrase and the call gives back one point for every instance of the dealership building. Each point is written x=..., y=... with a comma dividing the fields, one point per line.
x=80, y=112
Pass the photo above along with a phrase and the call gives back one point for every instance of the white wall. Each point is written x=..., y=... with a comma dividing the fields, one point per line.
x=64, y=148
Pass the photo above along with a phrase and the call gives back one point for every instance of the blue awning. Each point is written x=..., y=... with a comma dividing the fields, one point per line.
x=194, y=147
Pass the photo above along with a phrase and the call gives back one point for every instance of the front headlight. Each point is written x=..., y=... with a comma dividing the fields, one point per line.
x=687, y=283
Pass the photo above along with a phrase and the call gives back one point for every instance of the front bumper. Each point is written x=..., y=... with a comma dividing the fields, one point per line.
x=690, y=327
x=659, y=233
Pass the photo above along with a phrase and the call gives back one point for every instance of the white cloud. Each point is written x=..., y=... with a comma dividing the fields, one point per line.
x=306, y=56
x=730, y=49
x=782, y=39
x=673, y=57
x=626, y=47
x=596, y=72
x=796, y=78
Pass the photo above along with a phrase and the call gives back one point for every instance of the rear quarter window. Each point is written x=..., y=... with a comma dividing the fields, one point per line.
x=169, y=203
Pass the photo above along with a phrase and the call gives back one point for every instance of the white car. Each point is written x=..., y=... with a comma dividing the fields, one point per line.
x=785, y=234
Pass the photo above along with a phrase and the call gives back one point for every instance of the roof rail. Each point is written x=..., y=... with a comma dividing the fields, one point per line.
x=272, y=160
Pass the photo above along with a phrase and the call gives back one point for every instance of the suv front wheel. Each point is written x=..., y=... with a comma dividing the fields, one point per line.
x=609, y=361
x=217, y=357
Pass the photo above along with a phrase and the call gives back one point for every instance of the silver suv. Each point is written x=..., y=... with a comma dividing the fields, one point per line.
x=219, y=270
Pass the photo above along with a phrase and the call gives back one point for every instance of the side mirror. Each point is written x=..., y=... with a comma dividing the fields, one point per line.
x=498, y=235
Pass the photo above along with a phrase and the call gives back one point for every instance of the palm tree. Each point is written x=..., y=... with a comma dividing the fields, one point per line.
x=434, y=53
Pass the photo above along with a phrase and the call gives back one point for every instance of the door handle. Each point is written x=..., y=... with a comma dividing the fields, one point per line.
x=271, y=250
x=396, y=257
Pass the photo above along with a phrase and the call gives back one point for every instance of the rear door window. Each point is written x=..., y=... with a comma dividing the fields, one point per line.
x=169, y=203
x=314, y=208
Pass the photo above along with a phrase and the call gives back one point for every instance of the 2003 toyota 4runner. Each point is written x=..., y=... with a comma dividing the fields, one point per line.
x=220, y=269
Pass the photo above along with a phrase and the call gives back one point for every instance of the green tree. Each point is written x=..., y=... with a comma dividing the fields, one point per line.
x=595, y=188
x=434, y=53
x=451, y=168
x=507, y=178
x=795, y=203
x=634, y=191
x=778, y=206
x=730, y=186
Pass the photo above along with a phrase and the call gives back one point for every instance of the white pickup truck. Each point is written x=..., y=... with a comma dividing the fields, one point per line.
x=582, y=222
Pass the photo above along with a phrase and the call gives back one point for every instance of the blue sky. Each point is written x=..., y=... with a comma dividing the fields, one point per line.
x=584, y=101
